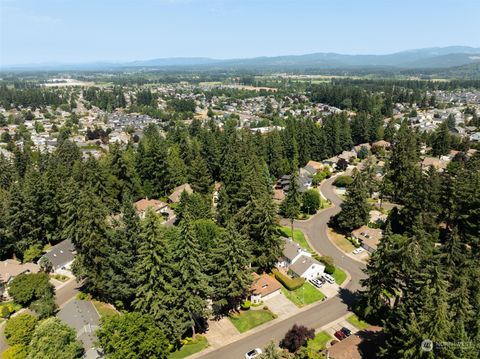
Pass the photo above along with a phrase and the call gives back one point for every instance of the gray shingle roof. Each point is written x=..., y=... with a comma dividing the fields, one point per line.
x=61, y=254
x=290, y=249
x=302, y=264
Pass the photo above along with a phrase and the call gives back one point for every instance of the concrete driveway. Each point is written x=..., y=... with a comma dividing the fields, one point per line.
x=221, y=332
x=281, y=306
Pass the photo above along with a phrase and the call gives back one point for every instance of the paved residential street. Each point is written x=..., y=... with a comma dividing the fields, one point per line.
x=67, y=292
x=318, y=315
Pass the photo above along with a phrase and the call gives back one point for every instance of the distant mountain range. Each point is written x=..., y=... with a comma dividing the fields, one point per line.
x=429, y=58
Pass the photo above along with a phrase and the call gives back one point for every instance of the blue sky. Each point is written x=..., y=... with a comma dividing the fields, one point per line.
x=37, y=31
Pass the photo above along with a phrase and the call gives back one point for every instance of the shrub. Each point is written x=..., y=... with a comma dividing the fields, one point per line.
x=18, y=351
x=25, y=288
x=327, y=260
x=343, y=181
x=246, y=305
x=329, y=269
x=45, y=264
x=32, y=253
x=19, y=329
x=296, y=337
x=289, y=283
x=265, y=308
x=83, y=296
x=44, y=307
x=5, y=311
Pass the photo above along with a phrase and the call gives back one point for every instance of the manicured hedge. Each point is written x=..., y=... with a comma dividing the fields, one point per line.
x=289, y=283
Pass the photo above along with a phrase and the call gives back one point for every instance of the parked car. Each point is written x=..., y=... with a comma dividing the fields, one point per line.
x=358, y=250
x=253, y=353
x=329, y=278
x=316, y=282
x=346, y=331
x=340, y=335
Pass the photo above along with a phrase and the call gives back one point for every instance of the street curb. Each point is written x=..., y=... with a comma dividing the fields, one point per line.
x=341, y=250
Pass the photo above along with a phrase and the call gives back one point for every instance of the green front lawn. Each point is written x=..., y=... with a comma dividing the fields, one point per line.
x=355, y=321
x=104, y=309
x=249, y=319
x=199, y=344
x=340, y=240
x=298, y=237
x=305, y=295
x=339, y=276
x=319, y=342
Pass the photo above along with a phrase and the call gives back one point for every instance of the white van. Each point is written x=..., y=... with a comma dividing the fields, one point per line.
x=329, y=278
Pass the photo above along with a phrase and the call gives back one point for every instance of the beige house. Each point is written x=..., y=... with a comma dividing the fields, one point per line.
x=158, y=207
x=368, y=237
x=177, y=193
x=263, y=287
x=10, y=268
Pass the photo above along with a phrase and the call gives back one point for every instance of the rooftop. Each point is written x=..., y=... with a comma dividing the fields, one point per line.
x=177, y=192
x=363, y=344
x=369, y=236
x=264, y=284
x=11, y=268
x=302, y=264
x=61, y=254
x=145, y=203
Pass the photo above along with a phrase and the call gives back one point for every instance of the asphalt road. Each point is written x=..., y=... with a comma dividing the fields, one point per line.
x=321, y=314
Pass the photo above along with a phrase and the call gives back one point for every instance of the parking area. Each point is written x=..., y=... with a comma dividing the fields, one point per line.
x=339, y=325
x=328, y=289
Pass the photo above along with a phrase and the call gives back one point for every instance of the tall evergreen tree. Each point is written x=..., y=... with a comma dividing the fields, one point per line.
x=190, y=280
x=231, y=274
x=155, y=292
x=402, y=165
x=355, y=209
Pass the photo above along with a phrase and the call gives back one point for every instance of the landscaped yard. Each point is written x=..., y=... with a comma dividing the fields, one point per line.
x=60, y=277
x=306, y=294
x=319, y=342
x=355, y=321
x=199, y=344
x=339, y=276
x=249, y=319
x=340, y=241
x=104, y=309
x=298, y=237
x=11, y=308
